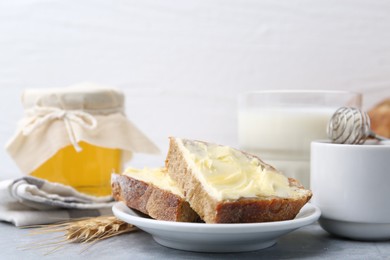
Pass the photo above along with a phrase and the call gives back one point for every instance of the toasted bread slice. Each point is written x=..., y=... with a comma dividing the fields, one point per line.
x=152, y=192
x=225, y=185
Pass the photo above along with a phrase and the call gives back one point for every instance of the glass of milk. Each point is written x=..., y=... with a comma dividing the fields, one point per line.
x=279, y=125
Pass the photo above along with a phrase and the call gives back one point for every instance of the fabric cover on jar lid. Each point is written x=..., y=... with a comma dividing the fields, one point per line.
x=57, y=117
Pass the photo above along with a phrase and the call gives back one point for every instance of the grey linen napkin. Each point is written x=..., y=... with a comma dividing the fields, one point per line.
x=32, y=201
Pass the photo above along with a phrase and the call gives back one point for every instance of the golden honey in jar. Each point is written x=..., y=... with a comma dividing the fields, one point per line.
x=76, y=136
x=88, y=171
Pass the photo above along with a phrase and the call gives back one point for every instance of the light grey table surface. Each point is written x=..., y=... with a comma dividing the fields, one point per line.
x=310, y=242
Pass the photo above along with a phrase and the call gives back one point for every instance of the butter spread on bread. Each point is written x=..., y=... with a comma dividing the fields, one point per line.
x=152, y=192
x=156, y=176
x=227, y=173
x=225, y=185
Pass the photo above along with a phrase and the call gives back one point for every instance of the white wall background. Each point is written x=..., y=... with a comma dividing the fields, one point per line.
x=182, y=63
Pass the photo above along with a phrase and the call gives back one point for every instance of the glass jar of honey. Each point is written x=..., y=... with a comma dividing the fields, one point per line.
x=76, y=136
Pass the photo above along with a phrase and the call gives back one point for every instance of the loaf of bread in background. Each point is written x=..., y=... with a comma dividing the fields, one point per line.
x=380, y=118
x=152, y=192
x=225, y=185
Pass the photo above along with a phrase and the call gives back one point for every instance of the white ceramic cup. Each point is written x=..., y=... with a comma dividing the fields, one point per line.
x=351, y=186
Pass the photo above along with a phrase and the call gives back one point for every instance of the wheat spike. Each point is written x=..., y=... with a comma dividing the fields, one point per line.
x=87, y=230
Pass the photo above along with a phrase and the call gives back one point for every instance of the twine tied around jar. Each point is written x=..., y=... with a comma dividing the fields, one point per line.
x=43, y=115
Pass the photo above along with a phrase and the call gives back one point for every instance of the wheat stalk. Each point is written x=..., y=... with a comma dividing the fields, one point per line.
x=87, y=230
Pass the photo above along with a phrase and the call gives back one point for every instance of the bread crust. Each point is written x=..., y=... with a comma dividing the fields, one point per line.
x=380, y=118
x=151, y=200
x=244, y=210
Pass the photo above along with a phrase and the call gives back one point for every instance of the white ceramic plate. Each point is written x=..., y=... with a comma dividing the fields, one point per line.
x=203, y=237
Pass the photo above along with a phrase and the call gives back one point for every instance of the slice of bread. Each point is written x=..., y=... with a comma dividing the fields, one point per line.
x=380, y=118
x=225, y=185
x=152, y=192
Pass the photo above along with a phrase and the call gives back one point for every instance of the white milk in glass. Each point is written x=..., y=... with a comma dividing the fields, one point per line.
x=282, y=136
